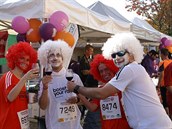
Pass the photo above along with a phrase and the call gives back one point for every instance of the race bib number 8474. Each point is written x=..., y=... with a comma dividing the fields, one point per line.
x=110, y=108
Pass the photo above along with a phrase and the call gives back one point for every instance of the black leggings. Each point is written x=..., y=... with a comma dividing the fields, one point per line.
x=163, y=90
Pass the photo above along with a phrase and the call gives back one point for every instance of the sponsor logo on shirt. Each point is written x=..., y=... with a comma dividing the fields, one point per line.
x=59, y=91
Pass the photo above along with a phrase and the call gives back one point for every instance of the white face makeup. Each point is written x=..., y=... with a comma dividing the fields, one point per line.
x=55, y=59
x=120, y=61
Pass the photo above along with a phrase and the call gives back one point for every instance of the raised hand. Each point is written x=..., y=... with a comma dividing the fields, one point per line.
x=45, y=80
x=33, y=73
x=71, y=85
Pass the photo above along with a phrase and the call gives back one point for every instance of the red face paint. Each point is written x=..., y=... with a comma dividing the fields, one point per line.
x=23, y=63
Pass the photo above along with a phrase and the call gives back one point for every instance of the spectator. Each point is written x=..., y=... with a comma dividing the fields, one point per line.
x=13, y=95
x=61, y=110
x=140, y=100
x=168, y=84
x=162, y=65
x=75, y=66
x=88, y=80
x=148, y=63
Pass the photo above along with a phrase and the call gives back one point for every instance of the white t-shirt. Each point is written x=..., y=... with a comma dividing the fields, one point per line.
x=58, y=94
x=140, y=100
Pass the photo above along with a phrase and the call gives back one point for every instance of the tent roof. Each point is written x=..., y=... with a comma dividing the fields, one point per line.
x=94, y=27
x=105, y=10
x=76, y=12
x=141, y=29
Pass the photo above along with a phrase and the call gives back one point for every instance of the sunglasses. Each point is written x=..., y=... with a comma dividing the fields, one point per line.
x=120, y=54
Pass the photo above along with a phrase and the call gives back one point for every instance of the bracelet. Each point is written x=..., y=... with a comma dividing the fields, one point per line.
x=75, y=90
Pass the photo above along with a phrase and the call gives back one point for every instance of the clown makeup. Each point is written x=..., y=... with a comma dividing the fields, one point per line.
x=23, y=63
x=55, y=59
x=120, y=58
x=105, y=72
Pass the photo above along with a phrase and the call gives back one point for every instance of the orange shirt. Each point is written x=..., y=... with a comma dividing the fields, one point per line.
x=8, y=110
x=168, y=75
x=166, y=63
x=120, y=123
x=168, y=82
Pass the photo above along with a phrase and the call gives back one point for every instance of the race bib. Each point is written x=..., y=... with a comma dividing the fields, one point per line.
x=23, y=118
x=110, y=108
x=66, y=112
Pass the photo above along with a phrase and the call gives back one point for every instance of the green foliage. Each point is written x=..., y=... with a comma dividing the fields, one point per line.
x=158, y=13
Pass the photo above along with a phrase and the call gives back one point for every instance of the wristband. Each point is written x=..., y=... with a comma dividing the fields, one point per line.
x=75, y=90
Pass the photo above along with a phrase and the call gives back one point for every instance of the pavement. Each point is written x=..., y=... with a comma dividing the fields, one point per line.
x=33, y=124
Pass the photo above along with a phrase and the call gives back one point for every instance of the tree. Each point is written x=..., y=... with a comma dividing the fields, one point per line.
x=158, y=13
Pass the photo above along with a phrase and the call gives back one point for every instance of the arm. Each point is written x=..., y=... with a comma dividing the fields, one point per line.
x=90, y=106
x=98, y=93
x=33, y=73
x=169, y=88
x=160, y=78
x=161, y=74
x=44, y=100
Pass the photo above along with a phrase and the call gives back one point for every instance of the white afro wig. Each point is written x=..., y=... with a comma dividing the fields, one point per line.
x=58, y=46
x=123, y=41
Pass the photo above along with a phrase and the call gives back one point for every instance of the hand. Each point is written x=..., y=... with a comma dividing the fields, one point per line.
x=72, y=100
x=31, y=74
x=71, y=85
x=45, y=80
x=155, y=75
x=81, y=97
x=86, y=72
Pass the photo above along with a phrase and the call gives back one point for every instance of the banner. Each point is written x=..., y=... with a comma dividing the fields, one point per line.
x=3, y=43
x=73, y=29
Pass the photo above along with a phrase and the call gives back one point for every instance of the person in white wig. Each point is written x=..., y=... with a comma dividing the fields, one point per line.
x=139, y=97
x=61, y=110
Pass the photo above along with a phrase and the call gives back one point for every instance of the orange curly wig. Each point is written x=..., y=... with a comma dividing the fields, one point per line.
x=17, y=50
x=98, y=59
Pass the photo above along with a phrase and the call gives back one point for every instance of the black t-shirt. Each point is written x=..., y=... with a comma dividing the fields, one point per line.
x=88, y=80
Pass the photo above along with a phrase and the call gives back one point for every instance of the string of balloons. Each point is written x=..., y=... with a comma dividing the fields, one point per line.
x=166, y=43
x=34, y=30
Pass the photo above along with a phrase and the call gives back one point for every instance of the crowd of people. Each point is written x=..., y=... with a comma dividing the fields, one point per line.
x=115, y=86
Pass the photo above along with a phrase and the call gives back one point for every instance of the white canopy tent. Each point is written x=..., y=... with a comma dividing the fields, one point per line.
x=94, y=27
x=139, y=27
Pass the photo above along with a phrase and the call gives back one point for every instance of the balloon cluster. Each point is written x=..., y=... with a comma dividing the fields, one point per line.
x=33, y=30
x=166, y=43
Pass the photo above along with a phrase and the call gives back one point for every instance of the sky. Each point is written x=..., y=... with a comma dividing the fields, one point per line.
x=119, y=5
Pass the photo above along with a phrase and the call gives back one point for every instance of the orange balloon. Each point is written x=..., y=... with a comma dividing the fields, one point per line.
x=34, y=23
x=66, y=36
x=169, y=48
x=33, y=35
